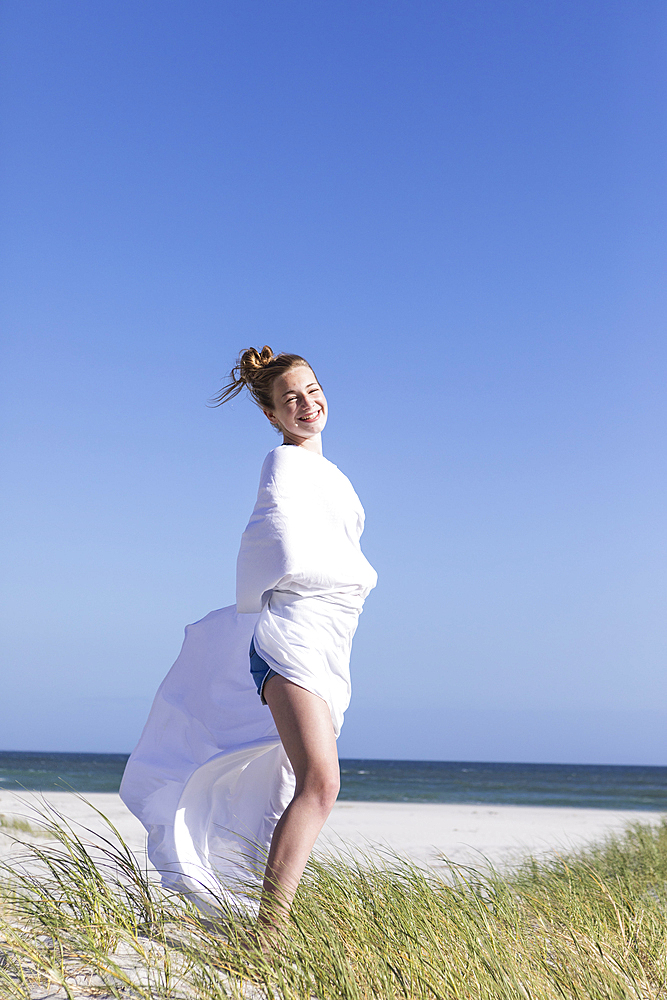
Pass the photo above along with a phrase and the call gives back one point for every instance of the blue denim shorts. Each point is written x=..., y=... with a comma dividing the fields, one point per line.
x=260, y=671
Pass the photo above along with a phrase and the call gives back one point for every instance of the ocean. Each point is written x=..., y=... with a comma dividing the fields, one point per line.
x=588, y=786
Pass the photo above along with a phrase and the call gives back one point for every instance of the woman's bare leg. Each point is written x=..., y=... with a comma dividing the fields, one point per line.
x=304, y=725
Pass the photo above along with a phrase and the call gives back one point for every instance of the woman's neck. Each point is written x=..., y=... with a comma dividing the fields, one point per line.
x=313, y=444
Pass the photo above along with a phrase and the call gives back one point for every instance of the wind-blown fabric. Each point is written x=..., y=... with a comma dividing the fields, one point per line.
x=209, y=778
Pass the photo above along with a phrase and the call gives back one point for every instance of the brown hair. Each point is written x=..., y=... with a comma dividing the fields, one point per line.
x=256, y=371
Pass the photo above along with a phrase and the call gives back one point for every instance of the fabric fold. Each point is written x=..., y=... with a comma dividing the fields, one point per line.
x=209, y=778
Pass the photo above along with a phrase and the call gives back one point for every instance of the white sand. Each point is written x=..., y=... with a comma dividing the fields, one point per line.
x=475, y=834
x=466, y=834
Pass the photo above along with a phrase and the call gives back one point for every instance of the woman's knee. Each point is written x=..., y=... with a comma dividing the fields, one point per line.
x=322, y=786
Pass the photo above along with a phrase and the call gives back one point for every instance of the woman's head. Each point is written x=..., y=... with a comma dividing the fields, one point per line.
x=285, y=387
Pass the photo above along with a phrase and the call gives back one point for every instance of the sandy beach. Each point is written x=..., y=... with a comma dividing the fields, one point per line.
x=466, y=834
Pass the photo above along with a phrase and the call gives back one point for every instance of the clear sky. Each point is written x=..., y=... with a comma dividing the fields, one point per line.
x=456, y=210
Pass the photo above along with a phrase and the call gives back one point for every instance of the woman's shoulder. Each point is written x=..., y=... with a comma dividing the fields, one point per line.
x=293, y=475
x=281, y=467
x=288, y=465
x=278, y=459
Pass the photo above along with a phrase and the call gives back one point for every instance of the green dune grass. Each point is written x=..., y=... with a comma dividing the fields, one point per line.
x=81, y=914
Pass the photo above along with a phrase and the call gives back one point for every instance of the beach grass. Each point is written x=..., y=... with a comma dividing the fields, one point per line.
x=81, y=914
x=18, y=824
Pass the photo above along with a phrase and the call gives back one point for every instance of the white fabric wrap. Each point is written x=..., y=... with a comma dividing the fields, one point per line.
x=209, y=778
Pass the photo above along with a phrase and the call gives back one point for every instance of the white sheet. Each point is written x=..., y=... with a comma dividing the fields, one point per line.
x=209, y=777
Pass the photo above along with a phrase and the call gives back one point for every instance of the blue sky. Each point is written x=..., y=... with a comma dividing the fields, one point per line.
x=456, y=211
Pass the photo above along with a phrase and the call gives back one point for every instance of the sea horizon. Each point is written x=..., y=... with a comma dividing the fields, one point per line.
x=593, y=786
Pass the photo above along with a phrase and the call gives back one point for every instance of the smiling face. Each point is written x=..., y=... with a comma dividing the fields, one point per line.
x=299, y=407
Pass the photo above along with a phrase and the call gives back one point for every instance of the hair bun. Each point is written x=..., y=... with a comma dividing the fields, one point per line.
x=252, y=360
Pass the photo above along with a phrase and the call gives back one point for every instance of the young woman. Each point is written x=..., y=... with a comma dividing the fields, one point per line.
x=218, y=778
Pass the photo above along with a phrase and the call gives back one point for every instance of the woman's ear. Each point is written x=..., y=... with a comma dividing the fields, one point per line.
x=271, y=417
